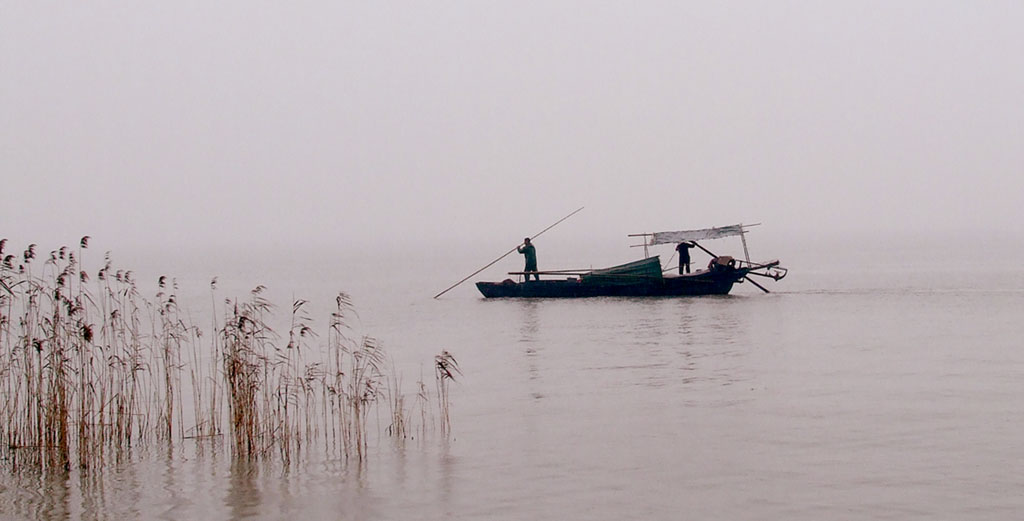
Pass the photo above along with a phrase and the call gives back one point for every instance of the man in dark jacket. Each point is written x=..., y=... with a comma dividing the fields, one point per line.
x=684, y=256
x=530, y=253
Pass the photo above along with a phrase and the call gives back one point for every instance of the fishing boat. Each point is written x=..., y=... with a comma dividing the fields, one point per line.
x=646, y=277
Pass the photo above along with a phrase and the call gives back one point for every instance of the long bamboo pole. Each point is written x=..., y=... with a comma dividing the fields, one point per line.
x=507, y=253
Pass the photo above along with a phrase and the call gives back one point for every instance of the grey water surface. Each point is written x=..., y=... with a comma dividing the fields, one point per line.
x=849, y=392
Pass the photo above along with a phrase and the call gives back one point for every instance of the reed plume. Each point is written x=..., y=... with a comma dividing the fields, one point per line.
x=89, y=368
x=445, y=369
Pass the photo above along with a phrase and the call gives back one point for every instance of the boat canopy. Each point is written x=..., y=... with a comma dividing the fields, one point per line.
x=696, y=235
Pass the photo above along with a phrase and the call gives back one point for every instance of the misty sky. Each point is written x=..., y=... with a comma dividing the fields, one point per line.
x=187, y=123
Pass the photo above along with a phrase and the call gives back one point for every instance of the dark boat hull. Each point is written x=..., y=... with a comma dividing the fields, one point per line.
x=697, y=284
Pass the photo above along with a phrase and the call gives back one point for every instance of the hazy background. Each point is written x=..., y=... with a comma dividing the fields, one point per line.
x=389, y=149
x=179, y=126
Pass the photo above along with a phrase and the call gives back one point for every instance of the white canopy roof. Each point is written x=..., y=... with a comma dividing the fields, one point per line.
x=696, y=235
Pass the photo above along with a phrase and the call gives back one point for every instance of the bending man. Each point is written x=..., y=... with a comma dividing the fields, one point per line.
x=684, y=256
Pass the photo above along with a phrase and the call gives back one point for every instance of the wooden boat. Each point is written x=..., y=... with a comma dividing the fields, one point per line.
x=645, y=277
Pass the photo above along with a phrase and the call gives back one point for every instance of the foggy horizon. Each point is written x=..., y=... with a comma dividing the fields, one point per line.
x=301, y=192
x=166, y=126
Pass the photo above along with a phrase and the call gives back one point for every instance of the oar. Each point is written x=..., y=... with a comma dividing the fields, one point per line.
x=703, y=248
x=746, y=278
x=509, y=252
x=750, y=280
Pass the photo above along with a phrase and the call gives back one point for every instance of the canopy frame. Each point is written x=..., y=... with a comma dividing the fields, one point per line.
x=675, y=237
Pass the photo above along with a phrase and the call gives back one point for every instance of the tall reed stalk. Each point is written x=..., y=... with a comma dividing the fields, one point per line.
x=445, y=369
x=90, y=368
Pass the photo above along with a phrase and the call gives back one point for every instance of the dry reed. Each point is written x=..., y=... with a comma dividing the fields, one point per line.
x=445, y=369
x=89, y=369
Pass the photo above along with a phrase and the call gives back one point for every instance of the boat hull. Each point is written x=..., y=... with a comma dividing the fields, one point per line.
x=697, y=284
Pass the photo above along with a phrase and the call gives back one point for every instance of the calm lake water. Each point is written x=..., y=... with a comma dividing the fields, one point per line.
x=855, y=390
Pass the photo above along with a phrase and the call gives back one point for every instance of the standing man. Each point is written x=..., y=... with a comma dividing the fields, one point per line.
x=684, y=256
x=530, y=253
